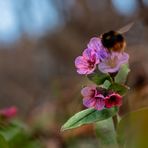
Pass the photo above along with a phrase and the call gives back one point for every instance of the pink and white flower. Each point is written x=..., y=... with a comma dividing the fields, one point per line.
x=92, y=98
x=95, y=44
x=86, y=63
x=99, y=98
x=8, y=112
x=112, y=100
x=113, y=62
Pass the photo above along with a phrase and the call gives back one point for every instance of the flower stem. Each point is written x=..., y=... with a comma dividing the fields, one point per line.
x=115, y=121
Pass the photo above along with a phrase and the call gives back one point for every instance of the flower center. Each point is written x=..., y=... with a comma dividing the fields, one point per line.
x=92, y=94
x=112, y=62
x=112, y=99
x=91, y=64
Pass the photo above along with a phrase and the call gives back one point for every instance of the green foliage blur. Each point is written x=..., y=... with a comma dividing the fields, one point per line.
x=15, y=134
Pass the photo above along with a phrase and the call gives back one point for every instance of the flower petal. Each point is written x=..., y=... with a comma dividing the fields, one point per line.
x=105, y=68
x=95, y=44
x=86, y=63
x=123, y=59
x=83, y=66
x=102, y=54
x=91, y=55
x=80, y=61
x=113, y=62
x=88, y=92
x=113, y=100
x=89, y=102
x=82, y=71
x=100, y=103
x=87, y=53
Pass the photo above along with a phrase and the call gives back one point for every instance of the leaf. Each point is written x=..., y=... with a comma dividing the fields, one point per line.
x=3, y=142
x=132, y=131
x=122, y=74
x=99, y=77
x=106, y=133
x=88, y=116
x=119, y=88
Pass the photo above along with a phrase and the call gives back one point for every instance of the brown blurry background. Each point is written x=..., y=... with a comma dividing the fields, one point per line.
x=39, y=41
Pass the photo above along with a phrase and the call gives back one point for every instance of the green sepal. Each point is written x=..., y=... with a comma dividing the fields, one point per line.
x=119, y=88
x=122, y=74
x=99, y=78
x=106, y=84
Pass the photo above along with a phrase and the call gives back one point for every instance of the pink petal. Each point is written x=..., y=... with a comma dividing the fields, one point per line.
x=103, y=67
x=85, y=70
x=91, y=55
x=121, y=58
x=115, y=101
x=100, y=103
x=95, y=44
x=89, y=102
x=80, y=61
x=88, y=91
x=87, y=53
x=118, y=101
x=83, y=66
x=108, y=104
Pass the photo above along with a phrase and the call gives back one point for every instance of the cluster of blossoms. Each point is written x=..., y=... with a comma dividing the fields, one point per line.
x=8, y=112
x=96, y=56
x=99, y=98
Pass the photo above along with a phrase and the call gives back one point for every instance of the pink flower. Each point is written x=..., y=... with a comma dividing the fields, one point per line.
x=86, y=63
x=100, y=98
x=92, y=98
x=112, y=100
x=113, y=62
x=8, y=112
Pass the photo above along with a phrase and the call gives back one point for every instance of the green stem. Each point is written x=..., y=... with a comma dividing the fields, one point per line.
x=115, y=121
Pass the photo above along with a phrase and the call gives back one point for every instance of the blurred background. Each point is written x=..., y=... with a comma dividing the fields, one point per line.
x=39, y=40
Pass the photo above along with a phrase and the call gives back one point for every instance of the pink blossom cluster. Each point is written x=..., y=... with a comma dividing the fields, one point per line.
x=96, y=54
x=8, y=112
x=99, y=98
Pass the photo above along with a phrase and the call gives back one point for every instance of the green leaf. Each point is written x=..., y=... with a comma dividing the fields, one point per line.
x=119, y=88
x=3, y=142
x=106, y=133
x=99, y=77
x=88, y=116
x=132, y=131
x=122, y=74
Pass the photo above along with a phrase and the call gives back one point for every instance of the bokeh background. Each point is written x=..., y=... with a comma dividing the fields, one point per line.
x=39, y=40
